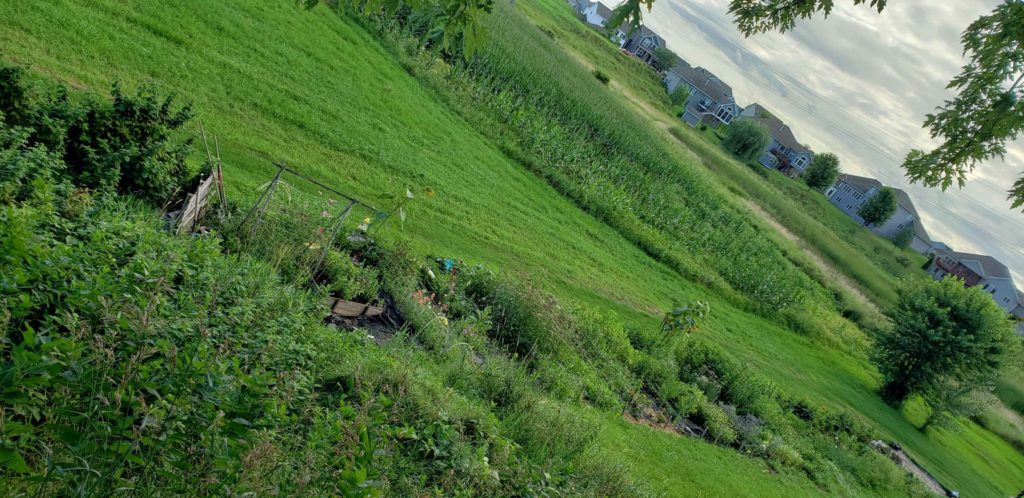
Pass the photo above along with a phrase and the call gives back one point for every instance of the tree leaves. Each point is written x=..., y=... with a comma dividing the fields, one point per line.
x=823, y=171
x=987, y=111
x=879, y=208
x=761, y=16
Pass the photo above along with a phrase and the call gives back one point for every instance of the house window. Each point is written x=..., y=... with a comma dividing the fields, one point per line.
x=899, y=227
x=646, y=43
x=724, y=114
x=801, y=161
x=993, y=291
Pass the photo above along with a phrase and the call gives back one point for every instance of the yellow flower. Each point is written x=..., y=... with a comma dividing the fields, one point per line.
x=367, y=220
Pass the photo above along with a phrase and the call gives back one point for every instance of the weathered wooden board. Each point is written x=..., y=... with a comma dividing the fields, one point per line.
x=195, y=206
x=345, y=308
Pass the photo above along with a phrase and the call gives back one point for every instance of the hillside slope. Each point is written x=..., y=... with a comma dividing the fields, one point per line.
x=320, y=93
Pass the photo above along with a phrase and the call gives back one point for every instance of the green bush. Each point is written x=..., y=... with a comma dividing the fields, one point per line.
x=129, y=145
x=349, y=280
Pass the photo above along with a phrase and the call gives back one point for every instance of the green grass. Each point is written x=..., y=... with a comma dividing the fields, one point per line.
x=871, y=261
x=676, y=466
x=320, y=93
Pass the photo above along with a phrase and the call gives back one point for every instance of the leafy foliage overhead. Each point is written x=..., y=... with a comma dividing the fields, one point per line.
x=987, y=111
x=761, y=16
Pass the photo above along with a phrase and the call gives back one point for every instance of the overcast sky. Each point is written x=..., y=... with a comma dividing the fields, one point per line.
x=859, y=84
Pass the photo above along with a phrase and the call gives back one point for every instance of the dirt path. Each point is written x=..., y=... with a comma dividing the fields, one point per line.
x=832, y=272
x=908, y=464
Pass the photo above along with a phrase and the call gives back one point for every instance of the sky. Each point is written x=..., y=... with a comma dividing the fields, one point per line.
x=859, y=84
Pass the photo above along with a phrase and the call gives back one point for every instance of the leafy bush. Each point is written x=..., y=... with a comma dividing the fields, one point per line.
x=746, y=139
x=128, y=146
x=601, y=76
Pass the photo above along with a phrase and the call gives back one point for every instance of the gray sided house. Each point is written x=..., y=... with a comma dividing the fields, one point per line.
x=783, y=153
x=978, y=270
x=850, y=192
x=642, y=43
x=710, y=101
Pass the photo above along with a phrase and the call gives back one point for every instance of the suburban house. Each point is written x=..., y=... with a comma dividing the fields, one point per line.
x=784, y=152
x=710, y=101
x=621, y=34
x=850, y=192
x=978, y=270
x=642, y=43
x=596, y=14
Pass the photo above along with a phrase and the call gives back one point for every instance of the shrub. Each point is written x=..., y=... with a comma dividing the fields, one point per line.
x=129, y=145
x=601, y=76
x=746, y=139
x=349, y=280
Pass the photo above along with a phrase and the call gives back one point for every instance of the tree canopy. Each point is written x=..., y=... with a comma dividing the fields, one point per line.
x=943, y=333
x=663, y=59
x=879, y=207
x=823, y=171
x=746, y=139
x=678, y=97
x=903, y=237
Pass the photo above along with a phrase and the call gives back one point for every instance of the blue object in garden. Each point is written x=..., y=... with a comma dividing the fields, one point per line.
x=447, y=265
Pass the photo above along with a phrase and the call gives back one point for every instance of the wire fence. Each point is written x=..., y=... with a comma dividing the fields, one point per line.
x=296, y=220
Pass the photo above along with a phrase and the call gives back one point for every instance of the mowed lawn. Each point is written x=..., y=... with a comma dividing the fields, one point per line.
x=316, y=91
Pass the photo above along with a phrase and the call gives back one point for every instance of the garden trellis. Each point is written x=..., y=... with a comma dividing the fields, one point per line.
x=296, y=220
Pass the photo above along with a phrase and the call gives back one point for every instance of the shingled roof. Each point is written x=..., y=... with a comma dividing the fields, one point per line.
x=604, y=11
x=986, y=266
x=779, y=130
x=705, y=81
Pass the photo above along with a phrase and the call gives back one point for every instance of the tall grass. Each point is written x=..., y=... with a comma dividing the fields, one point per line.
x=603, y=156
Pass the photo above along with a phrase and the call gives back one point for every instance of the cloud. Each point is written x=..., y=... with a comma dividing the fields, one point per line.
x=859, y=83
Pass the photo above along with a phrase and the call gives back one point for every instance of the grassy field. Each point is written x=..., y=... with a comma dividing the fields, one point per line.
x=322, y=94
x=872, y=261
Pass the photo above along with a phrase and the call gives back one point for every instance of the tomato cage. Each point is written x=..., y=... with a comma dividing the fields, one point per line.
x=296, y=220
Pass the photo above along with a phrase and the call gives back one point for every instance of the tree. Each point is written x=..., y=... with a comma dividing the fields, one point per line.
x=974, y=126
x=746, y=139
x=903, y=237
x=664, y=59
x=879, y=207
x=678, y=98
x=942, y=332
x=823, y=171
x=680, y=95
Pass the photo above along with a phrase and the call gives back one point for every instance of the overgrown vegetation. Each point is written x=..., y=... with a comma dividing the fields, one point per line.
x=360, y=142
x=216, y=372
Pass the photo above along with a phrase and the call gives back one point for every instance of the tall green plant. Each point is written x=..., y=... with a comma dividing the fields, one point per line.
x=746, y=139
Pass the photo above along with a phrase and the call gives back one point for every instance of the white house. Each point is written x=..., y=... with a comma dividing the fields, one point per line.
x=597, y=14
x=850, y=192
x=710, y=101
x=978, y=270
